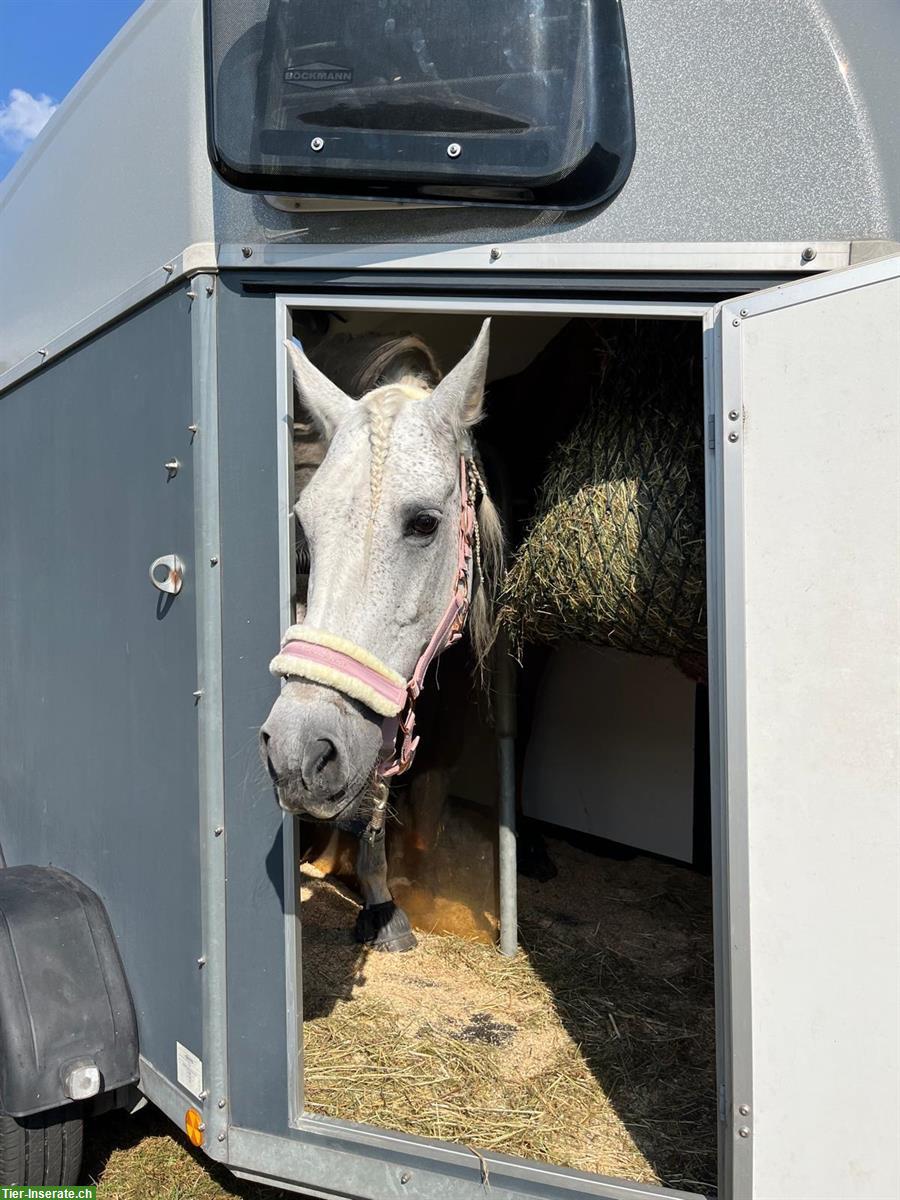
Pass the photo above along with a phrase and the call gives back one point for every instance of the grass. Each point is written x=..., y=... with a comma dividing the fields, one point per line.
x=144, y=1157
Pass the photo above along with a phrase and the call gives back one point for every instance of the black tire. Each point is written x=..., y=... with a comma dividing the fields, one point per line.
x=45, y=1148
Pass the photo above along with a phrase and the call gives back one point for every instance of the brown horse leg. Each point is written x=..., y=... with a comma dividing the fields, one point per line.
x=380, y=925
x=428, y=794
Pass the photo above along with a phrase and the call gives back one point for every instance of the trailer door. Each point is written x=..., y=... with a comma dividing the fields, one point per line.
x=805, y=579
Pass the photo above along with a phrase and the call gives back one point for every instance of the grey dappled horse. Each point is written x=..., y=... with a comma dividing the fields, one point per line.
x=385, y=522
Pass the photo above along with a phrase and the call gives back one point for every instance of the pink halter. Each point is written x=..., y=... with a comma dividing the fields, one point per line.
x=324, y=658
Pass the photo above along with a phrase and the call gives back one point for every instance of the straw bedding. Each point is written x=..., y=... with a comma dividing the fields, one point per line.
x=615, y=552
x=593, y=1048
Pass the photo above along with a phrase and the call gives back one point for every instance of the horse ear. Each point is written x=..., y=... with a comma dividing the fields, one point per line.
x=459, y=395
x=324, y=400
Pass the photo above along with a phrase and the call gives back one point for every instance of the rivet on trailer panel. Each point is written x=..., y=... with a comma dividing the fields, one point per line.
x=808, y=254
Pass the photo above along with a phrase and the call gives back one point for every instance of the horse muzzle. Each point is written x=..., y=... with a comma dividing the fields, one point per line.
x=320, y=751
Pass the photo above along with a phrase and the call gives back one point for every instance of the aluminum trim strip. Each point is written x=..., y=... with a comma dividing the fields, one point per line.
x=501, y=304
x=700, y=257
x=161, y=1091
x=728, y=747
x=802, y=291
x=210, y=734
x=365, y=1164
x=546, y=256
x=284, y=405
x=199, y=257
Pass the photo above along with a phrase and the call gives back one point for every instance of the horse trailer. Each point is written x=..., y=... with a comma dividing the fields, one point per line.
x=683, y=222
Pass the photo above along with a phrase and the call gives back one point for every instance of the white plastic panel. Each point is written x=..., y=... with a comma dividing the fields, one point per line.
x=612, y=749
x=814, y=369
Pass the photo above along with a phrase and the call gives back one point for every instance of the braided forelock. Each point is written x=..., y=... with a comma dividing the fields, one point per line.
x=382, y=407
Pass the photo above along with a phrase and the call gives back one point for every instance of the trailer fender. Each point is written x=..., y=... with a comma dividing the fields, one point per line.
x=67, y=1022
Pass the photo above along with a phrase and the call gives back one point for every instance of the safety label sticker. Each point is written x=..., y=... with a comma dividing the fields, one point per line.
x=189, y=1069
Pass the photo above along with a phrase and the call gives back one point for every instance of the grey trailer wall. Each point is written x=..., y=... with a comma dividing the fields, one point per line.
x=98, y=763
x=251, y=631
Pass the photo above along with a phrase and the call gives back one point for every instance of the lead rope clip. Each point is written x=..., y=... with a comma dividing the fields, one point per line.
x=379, y=811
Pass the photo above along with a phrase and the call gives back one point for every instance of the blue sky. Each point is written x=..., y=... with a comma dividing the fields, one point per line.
x=45, y=48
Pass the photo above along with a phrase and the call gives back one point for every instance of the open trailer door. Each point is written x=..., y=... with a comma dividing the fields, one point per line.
x=805, y=506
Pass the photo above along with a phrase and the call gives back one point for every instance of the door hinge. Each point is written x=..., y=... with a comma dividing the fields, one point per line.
x=711, y=431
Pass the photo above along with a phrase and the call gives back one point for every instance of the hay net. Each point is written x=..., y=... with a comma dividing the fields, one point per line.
x=615, y=552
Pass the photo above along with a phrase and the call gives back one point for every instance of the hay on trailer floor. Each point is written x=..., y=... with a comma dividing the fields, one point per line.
x=593, y=1048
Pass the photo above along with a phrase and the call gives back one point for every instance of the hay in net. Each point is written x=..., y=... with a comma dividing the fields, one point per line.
x=615, y=554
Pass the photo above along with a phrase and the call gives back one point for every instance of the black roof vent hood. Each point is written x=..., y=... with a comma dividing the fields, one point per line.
x=522, y=102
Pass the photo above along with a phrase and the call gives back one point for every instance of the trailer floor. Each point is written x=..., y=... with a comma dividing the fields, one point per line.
x=594, y=1048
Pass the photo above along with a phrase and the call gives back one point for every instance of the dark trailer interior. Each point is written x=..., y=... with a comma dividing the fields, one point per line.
x=593, y=1047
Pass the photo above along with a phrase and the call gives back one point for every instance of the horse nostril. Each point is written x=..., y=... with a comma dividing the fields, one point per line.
x=326, y=752
x=324, y=768
x=264, y=739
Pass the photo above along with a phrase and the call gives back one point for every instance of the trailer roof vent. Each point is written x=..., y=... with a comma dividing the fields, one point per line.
x=506, y=102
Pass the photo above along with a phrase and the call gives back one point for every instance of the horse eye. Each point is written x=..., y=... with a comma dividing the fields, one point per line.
x=423, y=524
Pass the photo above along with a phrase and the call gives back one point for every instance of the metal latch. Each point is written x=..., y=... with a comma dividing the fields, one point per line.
x=167, y=573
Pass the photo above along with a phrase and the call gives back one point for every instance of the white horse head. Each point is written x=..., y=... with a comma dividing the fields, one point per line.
x=381, y=517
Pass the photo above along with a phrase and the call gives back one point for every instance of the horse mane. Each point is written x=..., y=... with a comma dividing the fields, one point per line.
x=482, y=614
x=361, y=364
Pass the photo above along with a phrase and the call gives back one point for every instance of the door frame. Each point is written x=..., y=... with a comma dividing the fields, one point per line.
x=556, y=1181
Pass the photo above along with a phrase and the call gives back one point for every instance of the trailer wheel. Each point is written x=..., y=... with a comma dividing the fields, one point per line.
x=43, y=1148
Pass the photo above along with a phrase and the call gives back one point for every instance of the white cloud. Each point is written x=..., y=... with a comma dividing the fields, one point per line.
x=23, y=117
